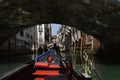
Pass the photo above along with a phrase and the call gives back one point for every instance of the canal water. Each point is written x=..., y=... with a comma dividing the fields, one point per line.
x=107, y=70
x=9, y=63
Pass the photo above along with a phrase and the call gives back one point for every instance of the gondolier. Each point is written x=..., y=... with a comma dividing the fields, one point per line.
x=57, y=49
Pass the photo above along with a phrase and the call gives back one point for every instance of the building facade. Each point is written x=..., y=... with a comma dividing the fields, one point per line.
x=28, y=40
x=75, y=39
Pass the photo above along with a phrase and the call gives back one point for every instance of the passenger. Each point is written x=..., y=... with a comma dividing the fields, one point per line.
x=45, y=48
x=40, y=50
x=57, y=49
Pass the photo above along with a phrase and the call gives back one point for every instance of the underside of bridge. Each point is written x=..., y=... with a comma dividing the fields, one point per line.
x=100, y=18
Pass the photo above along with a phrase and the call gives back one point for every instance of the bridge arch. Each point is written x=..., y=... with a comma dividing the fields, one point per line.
x=98, y=18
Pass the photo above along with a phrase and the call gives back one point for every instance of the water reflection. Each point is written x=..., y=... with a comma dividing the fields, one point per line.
x=106, y=70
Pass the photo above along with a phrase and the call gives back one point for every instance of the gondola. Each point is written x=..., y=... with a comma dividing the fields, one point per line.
x=51, y=66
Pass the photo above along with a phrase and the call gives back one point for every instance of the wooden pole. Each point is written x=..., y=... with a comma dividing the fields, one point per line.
x=81, y=49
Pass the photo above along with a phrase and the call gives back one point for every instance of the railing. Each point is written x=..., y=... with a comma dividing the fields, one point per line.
x=41, y=55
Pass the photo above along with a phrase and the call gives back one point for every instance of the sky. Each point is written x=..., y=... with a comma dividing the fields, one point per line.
x=55, y=28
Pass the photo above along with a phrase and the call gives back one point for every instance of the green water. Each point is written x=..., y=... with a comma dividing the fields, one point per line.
x=9, y=63
x=109, y=71
x=113, y=72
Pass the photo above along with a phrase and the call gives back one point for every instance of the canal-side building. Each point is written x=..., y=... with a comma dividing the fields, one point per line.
x=75, y=39
x=64, y=36
x=42, y=35
x=21, y=43
x=27, y=40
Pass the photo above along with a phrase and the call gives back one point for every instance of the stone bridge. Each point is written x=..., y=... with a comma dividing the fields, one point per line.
x=100, y=18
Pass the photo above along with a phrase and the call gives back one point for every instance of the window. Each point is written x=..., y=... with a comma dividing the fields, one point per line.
x=40, y=39
x=21, y=33
x=40, y=28
x=27, y=35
